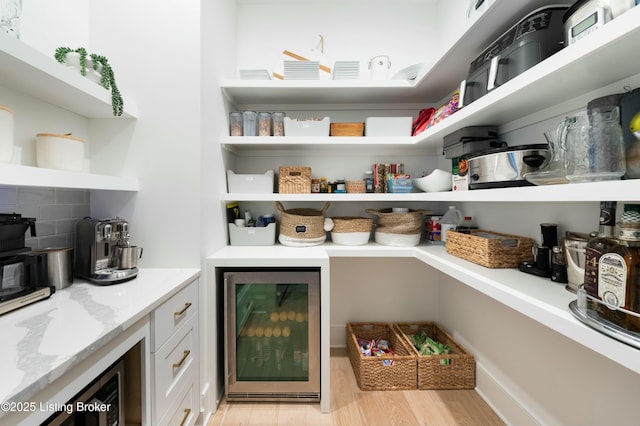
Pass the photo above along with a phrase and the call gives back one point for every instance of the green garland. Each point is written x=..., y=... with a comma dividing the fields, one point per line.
x=107, y=80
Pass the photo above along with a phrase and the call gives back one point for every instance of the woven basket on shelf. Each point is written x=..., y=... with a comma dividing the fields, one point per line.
x=356, y=186
x=490, y=249
x=294, y=180
x=373, y=372
x=302, y=226
x=399, y=223
x=345, y=224
x=458, y=373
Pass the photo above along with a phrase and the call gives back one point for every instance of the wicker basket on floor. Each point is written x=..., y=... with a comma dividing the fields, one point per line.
x=294, y=180
x=433, y=372
x=371, y=372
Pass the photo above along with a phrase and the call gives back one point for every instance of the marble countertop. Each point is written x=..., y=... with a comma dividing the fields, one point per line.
x=42, y=341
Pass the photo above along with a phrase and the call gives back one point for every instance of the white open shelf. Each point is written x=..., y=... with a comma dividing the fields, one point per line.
x=622, y=190
x=13, y=174
x=538, y=298
x=584, y=66
x=29, y=71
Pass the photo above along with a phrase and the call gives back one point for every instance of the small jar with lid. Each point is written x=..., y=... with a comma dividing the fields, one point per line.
x=368, y=181
x=264, y=124
x=235, y=123
x=278, y=123
x=315, y=186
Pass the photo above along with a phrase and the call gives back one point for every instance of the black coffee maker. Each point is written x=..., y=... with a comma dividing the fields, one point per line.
x=541, y=265
x=19, y=278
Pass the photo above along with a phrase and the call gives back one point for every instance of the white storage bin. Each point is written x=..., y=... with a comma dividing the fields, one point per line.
x=250, y=184
x=388, y=126
x=252, y=236
x=306, y=127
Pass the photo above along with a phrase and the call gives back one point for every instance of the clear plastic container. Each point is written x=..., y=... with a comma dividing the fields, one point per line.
x=250, y=123
x=264, y=124
x=450, y=221
x=278, y=123
x=235, y=123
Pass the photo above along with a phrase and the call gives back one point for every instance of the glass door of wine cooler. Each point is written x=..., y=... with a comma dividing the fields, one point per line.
x=272, y=335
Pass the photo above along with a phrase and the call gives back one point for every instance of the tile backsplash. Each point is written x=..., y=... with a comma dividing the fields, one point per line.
x=56, y=212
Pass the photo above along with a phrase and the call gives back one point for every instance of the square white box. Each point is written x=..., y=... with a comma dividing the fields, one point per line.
x=388, y=126
x=306, y=127
x=250, y=184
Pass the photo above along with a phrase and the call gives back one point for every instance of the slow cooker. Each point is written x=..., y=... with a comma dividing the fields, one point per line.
x=506, y=167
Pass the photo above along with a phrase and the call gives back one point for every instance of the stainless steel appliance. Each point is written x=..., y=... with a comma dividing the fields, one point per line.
x=530, y=41
x=99, y=404
x=587, y=16
x=103, y=253
x=19, y=284
x=272, y=334
x=505, y=167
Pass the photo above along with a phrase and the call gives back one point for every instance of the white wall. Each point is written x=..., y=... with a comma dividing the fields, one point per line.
x=154, y=48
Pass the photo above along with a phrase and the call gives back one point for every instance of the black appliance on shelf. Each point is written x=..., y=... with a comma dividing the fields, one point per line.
x=20, y=284
x=533, y=39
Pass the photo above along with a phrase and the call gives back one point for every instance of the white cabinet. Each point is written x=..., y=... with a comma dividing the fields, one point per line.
x=32, y=73
x=175, y=359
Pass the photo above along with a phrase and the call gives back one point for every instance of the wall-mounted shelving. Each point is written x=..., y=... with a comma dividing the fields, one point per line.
x=13, y=174
x=29, y=71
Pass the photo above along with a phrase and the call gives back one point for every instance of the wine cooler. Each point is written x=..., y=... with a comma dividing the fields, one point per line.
x=272, y=335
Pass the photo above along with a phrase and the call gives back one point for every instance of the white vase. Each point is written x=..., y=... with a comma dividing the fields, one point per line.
x=6, y=134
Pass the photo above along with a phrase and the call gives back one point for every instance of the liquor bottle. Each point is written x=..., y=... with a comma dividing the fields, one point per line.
x=618, y=273
x=599, y=244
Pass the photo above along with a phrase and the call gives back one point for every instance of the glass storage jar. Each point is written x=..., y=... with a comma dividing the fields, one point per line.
x=264, y=124
x=235, y=123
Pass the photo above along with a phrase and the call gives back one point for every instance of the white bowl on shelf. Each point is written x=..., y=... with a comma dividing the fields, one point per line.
x=436, y=181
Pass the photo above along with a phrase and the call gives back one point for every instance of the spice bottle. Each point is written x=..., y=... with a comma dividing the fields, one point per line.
x=264, y=124
x=324, y=186
x=315, y=186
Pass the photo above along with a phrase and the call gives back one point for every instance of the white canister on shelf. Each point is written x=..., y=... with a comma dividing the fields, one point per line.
x=6, y=134
x=63, y=152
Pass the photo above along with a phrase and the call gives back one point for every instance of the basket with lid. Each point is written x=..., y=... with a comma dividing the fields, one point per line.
x=302, y=227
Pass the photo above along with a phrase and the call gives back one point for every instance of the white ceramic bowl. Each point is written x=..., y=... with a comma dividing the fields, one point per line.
x=63, y=152
x=436, y=181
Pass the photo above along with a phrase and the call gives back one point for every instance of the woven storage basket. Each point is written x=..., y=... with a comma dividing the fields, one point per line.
x=356, y=187
x=302, y=227
x=399, y=223
x=490, y=249
x=459, y=373
x=370, y=371
x=344, y=224
x=346, y=129
x=294, y=180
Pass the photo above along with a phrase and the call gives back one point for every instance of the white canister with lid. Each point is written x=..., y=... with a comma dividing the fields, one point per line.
x=6, y=134
x=63, y=152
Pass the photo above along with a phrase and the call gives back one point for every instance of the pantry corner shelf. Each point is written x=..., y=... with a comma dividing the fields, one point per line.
x=622, y=190
x=17, y=175
x=30, y=71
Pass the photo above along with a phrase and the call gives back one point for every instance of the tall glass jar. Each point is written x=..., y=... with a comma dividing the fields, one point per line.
x=250, y=121
x=10, y=12
x=264, y=124
x=235, y=123
x=278, y=123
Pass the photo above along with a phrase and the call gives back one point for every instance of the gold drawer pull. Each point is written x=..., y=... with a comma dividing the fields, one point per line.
x=181, y=312
x=187, y=411
x=184, y=358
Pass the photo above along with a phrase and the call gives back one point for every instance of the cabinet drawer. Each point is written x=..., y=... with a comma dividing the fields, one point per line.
x=173, y=313
x=186, y=412
x=175, y=364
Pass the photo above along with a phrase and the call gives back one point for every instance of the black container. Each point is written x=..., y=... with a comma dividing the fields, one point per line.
x=470, y=140
x=12, y=229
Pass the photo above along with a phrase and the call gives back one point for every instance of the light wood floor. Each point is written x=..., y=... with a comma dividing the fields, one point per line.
x=352, y=407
